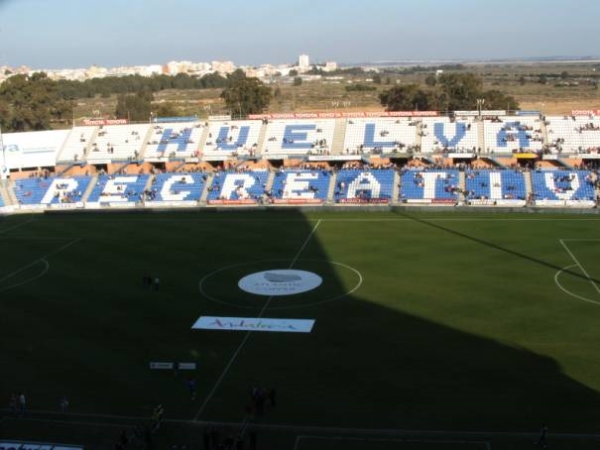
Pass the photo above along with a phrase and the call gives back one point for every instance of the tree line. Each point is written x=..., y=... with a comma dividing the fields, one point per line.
x=34, y=102
x=446, y=92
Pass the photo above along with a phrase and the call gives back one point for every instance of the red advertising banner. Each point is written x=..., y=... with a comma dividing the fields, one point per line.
x=585, y=112
x=364, y=201
x=105, y=121
x=343, y=115
x=247, y=201
x=297, y=201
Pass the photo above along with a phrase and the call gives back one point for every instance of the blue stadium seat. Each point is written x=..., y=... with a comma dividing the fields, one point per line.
x=238, y=185
x=298, y=184
x=128, y=188
x=33, y=191
x=562, y=185
x=183, y=186
x=435, y=185
x=495, y=184
x=364, y=185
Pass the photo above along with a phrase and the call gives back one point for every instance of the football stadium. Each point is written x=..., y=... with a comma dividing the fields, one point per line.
x=358, y=281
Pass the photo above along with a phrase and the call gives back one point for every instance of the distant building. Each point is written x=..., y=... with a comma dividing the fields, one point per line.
x=304, y=62
x=330, y=66
x=223, y=67
x=176, y=67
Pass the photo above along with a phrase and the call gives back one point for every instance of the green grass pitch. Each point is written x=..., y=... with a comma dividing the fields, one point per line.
x=432, y=330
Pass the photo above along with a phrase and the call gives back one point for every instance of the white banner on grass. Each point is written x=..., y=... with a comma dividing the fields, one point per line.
x=254, y=324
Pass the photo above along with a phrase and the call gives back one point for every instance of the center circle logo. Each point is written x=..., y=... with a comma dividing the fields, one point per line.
x=280, y=282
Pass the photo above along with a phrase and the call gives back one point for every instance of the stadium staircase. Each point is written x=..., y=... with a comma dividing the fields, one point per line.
x=270, y=180
x=528, y=184
x=462, y=183
x=419, y=138
x=544, y=130
x=4, y=193
x=90, y=188
x=149, y=183
x=331, y=189
x=339, y=136
x=12, y=196
x=88, y=144
x=60, y=150
x=396, y=188
x=261, y=139
x=203, y=137
x=481, y=135
x=144, y=146
x=208, y=183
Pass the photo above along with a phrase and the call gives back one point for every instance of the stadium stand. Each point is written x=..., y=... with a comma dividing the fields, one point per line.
x=513, y=134
x=171, y=163
x=440, y=186
x=33, y=191
x=232, y=138
x=573, y=134
x=561, y=185
x=364, y=186
x=120, y=188
x=298, y=138
x=77, y=144
x=237, y=187
x=446, y=134
x=176, y=187
x=495, y=185
x=380, y=135
x=174, y=140
x=300, y=186
x=118, y=142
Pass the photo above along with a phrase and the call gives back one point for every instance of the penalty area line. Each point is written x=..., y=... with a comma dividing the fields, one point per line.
x=14, y=227
x=566, y=247
x=40, y=259
x=247, y=336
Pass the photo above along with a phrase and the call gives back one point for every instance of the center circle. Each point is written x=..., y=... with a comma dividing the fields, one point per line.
x=274, y=283
x=334, y=281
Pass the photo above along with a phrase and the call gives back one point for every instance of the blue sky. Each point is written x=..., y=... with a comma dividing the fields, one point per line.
x=51, y=34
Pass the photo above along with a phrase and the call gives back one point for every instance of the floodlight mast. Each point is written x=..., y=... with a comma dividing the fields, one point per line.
x=480, y=103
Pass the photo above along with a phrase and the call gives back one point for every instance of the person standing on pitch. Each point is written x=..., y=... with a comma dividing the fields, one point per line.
x=542, y=439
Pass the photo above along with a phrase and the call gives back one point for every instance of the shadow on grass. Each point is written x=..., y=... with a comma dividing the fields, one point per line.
x=363, y=366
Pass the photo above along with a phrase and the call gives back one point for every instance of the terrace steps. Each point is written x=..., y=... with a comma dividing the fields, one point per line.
x=337, y=144
x=89, y=189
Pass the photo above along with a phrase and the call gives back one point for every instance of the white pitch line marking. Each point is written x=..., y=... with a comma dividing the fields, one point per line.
x=40, y=275
x=566, y=291
x=457, y=434
x=247, y=336
x=42, y=258
x=29, y=220
x=562, y=242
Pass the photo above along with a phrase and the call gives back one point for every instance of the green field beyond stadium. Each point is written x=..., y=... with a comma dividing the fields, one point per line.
x=431, y=330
